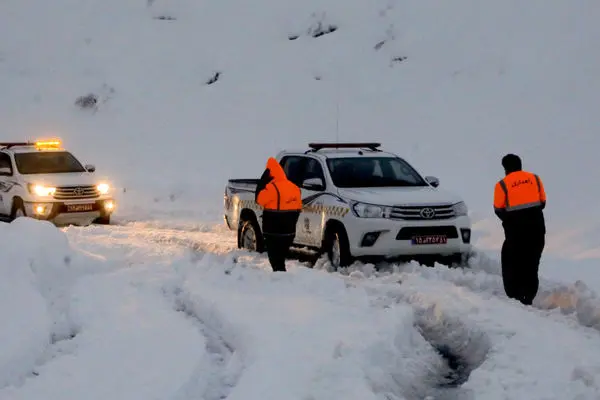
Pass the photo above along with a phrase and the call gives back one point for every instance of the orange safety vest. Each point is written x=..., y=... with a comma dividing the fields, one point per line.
x=519, y=190
x=280, y=194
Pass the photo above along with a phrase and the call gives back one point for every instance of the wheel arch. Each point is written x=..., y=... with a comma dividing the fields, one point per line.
x=332, y=224
x=248, y=215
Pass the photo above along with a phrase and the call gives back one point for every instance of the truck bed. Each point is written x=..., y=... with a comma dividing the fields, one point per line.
x=243, y=184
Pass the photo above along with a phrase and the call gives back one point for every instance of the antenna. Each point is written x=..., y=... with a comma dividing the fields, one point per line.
x=337, y=120
x=337, y=108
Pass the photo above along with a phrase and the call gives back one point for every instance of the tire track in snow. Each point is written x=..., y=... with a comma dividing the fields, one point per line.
x=458, y=363
x=226, y=362
x=460, y=345
x=55, y=283
x=482, y=276
x=216, y=381
x=554, y=299
x=130, y=344
x=196, y=238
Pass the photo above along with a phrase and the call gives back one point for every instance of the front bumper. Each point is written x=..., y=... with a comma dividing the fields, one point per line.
x=393, y=238
x=76, y=212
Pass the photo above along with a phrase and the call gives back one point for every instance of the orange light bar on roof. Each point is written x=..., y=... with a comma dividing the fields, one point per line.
x=48, y=144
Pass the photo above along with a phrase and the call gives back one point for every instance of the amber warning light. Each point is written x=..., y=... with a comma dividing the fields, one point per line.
x=48, y=144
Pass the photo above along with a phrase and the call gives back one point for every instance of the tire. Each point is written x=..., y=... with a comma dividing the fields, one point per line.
x=102, y=220
x=458, y=260
x=250, y=236
x=18, y=209
x=337, y=247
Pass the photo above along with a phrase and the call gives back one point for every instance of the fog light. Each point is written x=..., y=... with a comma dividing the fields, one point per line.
x=369, y=239
x=466, y=235
x=109, y=205
x=40, y=210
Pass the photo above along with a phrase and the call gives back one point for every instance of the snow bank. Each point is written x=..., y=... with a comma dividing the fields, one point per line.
x=307, y=334
x=37, y=269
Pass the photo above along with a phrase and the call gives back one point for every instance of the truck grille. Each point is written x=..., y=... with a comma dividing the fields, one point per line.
x=76, y=192
x=425, y=213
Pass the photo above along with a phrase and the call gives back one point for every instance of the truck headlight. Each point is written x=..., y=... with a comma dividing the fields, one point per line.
x=364, y=210
x=460, y=209
x=41, y=190
x=103, y=188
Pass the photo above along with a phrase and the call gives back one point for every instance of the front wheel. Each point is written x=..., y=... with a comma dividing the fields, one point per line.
x=337, y=247
x=249, y=236
x=18, y=209
x=102, y=220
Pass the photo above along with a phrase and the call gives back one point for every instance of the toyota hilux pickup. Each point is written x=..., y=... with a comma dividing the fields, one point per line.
x=359, y=202
x=44, y=181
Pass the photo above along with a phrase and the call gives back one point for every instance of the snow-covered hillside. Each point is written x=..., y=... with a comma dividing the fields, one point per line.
x=452, y=87
x=192, y=93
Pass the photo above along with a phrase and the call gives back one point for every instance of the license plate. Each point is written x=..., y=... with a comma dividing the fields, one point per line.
x=430, y=239
x=80, y=207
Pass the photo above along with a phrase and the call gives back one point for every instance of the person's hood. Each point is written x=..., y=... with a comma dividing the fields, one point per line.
x=275, y=169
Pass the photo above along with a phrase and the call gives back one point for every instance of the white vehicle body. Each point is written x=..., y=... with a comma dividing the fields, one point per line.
x=44, y=181
x=351, y=217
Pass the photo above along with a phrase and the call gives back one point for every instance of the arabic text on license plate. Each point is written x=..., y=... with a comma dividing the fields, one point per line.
x=80, y=207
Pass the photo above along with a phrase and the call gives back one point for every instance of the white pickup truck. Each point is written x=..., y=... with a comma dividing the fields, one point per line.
x=359, y=203
x=42, y=180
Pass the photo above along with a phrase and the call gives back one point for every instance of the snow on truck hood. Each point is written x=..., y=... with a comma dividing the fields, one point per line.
x=391, y=196
x=65, y=179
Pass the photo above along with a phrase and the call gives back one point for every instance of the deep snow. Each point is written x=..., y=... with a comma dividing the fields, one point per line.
x=184, y=323
x=163, y=305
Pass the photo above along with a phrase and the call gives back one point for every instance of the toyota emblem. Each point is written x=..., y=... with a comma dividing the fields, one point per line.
x=427, y=213
x=78, y=191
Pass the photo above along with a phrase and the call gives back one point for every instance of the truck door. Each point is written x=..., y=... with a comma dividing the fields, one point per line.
x=313, y=186
x=302, y=171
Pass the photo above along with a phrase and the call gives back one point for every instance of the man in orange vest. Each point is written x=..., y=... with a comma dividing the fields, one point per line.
x=282, y=202
x=519, y=199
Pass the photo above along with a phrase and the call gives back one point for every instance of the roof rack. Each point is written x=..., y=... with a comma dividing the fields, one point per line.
x=359, y=145
x=8, y=145
x=42, y=144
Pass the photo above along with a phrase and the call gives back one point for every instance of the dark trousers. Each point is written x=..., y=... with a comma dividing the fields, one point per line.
x=278, y=247
x=520, y=264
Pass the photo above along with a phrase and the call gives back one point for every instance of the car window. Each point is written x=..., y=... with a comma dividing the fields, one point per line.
x=5, y=164
x=299, y=168
x=52, y=162
x=357, y=172
x=293, y=168
x=313, y=169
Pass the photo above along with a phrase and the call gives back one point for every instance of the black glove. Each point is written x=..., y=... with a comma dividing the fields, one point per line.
x=262, y=182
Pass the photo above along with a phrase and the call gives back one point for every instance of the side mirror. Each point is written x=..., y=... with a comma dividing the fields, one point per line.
x=433, y=181
x=90, y=167
x=313, y=184
x=5, y=171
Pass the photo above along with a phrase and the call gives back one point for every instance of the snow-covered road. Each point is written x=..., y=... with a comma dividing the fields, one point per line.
x=151, y=310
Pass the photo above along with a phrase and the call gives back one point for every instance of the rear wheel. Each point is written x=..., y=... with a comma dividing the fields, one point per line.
x=249, y=235
x=337, y=247
x=460, y=260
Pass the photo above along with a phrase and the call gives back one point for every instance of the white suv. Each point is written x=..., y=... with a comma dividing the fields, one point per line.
x=360, y=202
x=44, y=181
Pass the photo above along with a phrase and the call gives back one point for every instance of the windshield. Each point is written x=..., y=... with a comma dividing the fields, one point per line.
x=52, y=162
x=355, y=172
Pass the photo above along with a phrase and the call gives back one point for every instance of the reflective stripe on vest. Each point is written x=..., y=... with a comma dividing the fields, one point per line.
x=525, y=205
x=278, y=196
